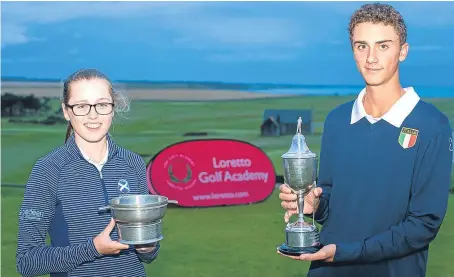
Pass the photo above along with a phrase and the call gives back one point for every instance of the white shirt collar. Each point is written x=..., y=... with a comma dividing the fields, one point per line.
x=104, y=160
x=395, y=116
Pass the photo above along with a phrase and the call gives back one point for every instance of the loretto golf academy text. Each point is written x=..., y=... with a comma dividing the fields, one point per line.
x=234, y=170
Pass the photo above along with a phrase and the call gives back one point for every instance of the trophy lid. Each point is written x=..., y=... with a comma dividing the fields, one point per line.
x=299, y=148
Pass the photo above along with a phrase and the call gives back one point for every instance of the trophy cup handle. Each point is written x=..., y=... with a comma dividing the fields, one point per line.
x=105, y=208
x=314, y=204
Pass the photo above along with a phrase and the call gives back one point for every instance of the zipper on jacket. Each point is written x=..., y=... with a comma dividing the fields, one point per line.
x=104, y=189
x=103, y=185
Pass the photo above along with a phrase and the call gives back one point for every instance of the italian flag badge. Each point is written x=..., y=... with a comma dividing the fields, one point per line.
x=407, y=137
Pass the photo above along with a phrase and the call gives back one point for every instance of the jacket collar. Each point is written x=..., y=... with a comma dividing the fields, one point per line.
x=72, y=147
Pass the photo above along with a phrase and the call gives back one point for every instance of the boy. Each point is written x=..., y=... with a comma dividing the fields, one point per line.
x=385, y=165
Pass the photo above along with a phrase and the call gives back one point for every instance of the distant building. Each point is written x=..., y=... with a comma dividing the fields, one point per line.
x=284, y=122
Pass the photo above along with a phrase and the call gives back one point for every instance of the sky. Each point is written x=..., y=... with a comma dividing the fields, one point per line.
x=265, y=42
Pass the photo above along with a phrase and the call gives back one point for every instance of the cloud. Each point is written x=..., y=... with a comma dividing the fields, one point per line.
x=252, y=56
x=237, y=32
x=17, y=17
x=77, y=36
x=192, y=24
x=49, y=12
x=16, y=34
x=218, y=31
x=25, y=59
x=424, y=13
x=427, y=13
x=73, y=51
x=13, y=34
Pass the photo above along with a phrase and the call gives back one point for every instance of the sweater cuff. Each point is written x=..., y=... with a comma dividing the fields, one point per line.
x=91, y=249
x=348, y=252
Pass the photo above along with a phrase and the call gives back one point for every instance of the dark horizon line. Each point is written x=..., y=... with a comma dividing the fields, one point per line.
x=249, y=85
x=138, y=81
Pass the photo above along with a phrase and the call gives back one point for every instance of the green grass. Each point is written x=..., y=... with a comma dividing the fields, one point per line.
x=222, y=241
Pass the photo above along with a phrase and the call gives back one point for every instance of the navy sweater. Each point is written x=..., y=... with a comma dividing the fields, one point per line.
x=382, y=204
x=62, y=197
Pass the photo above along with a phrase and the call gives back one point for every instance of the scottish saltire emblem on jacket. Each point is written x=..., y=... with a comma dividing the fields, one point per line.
x=123, y=186
x=408, y=137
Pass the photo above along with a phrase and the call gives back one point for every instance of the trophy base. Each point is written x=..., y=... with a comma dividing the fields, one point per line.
x=301, y=235
x=139, y=233
x=137, y=242
x=296, y=251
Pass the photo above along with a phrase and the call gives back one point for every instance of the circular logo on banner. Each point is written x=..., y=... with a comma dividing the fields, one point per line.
x=180, y=172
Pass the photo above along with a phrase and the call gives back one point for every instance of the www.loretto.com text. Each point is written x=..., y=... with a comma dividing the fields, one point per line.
x=222, y=172
x=224, y=195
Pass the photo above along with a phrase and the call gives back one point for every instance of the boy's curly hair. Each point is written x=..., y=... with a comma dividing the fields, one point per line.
x=379, y=14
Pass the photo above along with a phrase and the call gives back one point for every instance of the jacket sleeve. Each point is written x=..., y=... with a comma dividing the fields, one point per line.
x=146, y=257
x=324, y=178
x=33, y=256
x=426, y=210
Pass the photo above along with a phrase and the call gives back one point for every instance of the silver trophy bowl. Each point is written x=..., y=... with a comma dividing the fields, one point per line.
x=300, y=174
x=138, y=217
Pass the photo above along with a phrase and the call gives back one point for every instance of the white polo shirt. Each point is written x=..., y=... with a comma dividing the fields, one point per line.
x=98, y=165
x=395, y=115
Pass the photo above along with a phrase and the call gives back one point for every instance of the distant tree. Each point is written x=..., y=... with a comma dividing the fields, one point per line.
x=31, y=104
x=45, y=104
x=10, y=104
x=16, y=105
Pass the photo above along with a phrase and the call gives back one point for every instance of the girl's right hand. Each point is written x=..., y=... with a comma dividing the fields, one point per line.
x=105, y=245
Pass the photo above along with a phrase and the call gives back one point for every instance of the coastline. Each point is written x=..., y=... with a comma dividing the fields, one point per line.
x=54, y=89
x=193, y=91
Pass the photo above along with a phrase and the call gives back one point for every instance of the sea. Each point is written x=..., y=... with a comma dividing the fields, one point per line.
x=423, y=91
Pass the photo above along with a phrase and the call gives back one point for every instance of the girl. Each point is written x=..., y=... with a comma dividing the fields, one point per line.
x=68, y=185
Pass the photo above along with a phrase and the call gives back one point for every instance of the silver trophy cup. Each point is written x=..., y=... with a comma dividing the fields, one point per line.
x=300, y=173
x=139, y=217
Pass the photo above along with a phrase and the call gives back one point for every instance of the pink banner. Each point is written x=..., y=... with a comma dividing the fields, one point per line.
x=212, y=172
